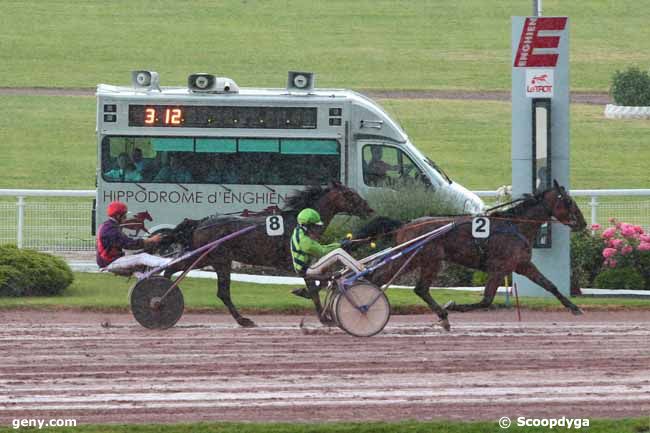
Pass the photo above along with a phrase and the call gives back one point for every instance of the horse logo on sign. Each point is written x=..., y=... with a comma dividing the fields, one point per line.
x=539, y=83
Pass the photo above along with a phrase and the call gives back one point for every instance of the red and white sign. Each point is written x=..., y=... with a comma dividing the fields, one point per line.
x=540, y=50
x=539, y=83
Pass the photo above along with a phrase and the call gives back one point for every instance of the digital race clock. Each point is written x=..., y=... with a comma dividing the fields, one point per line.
x=205, y=116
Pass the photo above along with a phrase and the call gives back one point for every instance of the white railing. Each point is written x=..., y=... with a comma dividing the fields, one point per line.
x=626, y=205
x=65, y=225
x=73, y=231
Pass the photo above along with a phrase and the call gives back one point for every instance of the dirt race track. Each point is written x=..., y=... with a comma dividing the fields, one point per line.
x=67, y=365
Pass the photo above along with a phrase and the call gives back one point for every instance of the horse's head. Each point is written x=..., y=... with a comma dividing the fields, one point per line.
x=143, y=216
x=341, y=199
x=564, y=208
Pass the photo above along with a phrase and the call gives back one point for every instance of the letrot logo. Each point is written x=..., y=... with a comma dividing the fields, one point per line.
x=535, y=49
x=540, y=80
x=539, y=83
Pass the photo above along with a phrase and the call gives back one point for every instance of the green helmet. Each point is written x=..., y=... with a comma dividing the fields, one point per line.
x=309, y=216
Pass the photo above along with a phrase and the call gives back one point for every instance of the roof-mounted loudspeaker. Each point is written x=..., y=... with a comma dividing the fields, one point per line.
x=208, y=83
x=145, y=80
x=300, y=81
x=201, y=82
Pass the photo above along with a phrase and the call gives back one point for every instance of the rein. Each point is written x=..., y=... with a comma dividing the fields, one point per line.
x=450, y=219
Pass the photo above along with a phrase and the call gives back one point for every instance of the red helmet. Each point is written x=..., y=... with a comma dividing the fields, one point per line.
x=116, y=209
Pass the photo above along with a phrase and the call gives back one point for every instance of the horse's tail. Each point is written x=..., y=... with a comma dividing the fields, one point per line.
x=379, y=227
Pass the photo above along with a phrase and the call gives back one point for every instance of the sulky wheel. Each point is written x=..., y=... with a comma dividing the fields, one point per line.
x=363, y=310
x=148, y=307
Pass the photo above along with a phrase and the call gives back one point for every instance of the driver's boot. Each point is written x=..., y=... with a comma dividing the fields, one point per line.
x=301, y=292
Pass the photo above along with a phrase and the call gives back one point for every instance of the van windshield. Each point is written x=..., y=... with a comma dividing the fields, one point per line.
x=432, y=164
x=437, y=168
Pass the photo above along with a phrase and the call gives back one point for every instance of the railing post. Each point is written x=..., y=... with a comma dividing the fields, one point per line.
x=21, y=221
x=594, y=213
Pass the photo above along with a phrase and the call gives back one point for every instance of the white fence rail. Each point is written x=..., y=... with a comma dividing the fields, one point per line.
x=54, y=220
x=60, y=220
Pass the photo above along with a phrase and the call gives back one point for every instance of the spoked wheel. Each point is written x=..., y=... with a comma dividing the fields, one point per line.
x=363, y=310
x=148, y=307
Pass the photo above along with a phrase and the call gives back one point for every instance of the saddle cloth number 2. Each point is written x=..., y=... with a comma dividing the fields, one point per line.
x=481, y=227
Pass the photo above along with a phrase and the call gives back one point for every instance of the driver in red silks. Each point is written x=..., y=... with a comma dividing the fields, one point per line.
x=111, y=243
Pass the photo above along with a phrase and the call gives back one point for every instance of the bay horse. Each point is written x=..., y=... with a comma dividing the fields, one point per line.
x=258, y=248
x=136, y=222
x=507, y=249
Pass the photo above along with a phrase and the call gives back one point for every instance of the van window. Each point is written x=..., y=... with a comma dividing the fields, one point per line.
x=389, y=166
x=248, y=161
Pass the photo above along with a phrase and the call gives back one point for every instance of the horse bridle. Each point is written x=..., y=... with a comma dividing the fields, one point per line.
x=572, y=222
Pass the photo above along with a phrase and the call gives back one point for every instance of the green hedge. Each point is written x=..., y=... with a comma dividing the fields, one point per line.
x=631, y=88
x=586, y=258
x=620, y=278
x=31, y=273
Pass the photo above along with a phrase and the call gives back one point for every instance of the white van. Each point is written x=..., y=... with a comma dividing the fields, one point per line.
x=192, y=151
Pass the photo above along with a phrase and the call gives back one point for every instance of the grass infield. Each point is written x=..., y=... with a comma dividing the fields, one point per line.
x=105, y=292
x=628, y=425
x=378, y=44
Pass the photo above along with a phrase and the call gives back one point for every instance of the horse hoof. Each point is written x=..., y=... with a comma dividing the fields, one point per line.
x=577, y=311
x=445, y=324
x=449, y=305
x=327, y=322
x=246, y=323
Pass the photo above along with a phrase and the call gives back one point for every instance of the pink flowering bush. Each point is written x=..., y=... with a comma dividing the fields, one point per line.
x=625, y=246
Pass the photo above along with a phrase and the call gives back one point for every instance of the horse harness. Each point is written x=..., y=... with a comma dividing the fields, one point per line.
x=481, y=244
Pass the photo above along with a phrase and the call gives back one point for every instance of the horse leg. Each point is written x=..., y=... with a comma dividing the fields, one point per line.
x=314, y=291
x=223, y=293
x=422, y=290
x=530, y=271
x=490, y=291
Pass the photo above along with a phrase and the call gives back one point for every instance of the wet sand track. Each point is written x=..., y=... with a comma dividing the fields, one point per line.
x=66, y=365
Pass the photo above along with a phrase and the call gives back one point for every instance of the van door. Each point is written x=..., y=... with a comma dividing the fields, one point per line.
x=384, y=165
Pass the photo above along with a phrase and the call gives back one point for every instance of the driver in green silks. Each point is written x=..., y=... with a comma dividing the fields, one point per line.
x=305, y=248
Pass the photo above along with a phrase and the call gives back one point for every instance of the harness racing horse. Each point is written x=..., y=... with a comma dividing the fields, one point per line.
x=507, y=249
x=258, y=248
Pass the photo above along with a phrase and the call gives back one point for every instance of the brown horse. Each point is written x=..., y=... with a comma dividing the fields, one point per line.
x=507, y=249
x=136, y=222
x=257, y=247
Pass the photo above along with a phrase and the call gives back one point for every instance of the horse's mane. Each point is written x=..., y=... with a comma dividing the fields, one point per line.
x=520, y=207
x=294, y=203
x=377, y=226
x=305, y=198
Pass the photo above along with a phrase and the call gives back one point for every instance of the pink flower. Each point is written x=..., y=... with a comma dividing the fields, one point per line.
x=628, y=230
x=608, y=233
x=627, y=249
x=608, y=252
x=616, y=243
x=639, y=229
x=595, y=227
x=644, y=246
x=612, y=263
x=644, y=238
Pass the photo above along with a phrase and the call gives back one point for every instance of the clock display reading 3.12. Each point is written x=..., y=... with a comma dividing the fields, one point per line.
x=204, y=116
